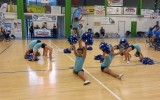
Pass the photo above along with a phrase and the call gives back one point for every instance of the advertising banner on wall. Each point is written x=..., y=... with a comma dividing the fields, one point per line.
x=4, y=7
x=42, y=33
x=115, y=10
x=44, y=18
x=17, y=28
x=2, y=18
x=99, y=10
x=55, y=9
x=115, y=2
x=36, y=9
x=147, y=11
x=44, y=1
x=90, y=9
x=107, y=20
x=3, y=10
x=130, y=11
x=39, y=20
x=8, y=27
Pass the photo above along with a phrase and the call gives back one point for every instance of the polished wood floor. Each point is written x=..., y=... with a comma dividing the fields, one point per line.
x=45, y=80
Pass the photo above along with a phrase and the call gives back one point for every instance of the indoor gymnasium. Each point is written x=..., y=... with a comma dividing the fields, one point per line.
x=79, y=49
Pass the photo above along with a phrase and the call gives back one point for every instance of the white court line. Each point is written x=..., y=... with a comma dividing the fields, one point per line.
x=100, y=83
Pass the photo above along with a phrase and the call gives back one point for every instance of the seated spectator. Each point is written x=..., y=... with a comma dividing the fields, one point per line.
x=102, y=31
x=44, y=26
x=37, y=27
x=6, y=35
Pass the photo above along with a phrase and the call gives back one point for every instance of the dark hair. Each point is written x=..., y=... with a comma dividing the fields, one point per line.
x=31, y=51
x=38, y=41
x=80, y=25
x=80, y=49
x=76, y=18
x=75, y=29
x=138, y=53
x=43, y=45
x=117, y=46
x=121, y=54
x=89, y=30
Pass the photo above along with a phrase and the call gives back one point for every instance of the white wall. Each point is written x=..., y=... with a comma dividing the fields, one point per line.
x=143, y=24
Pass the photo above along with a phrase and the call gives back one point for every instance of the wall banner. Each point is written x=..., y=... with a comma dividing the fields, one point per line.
x=115, y=10
x=17, y=28
x=99, y=10
x=36, y=9
x=42, y=33
x=130, y=11
x=44, y=18
x=115, y=2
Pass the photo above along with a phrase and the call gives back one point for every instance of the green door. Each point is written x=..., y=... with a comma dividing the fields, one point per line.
x=133, y=28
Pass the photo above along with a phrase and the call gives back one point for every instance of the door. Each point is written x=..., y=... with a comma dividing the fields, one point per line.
x=121, y=28
x=133, y=28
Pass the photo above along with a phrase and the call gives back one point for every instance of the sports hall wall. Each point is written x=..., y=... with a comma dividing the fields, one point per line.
x=143, y=24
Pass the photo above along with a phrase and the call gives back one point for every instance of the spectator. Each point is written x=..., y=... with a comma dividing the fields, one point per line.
x=54, y=31
x=44, y=26
x=1, y=34
x=31, y=29
x=37, y=27
x=102, y=31
x=6, y=35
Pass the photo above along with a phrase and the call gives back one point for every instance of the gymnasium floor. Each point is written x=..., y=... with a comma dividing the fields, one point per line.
x=45, y=80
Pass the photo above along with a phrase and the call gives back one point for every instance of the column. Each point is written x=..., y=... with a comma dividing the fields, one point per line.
x=68, y=5
x=20, y=14
x=105, y=5
x=140, y=7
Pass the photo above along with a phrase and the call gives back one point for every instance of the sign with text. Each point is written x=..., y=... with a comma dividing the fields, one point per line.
x=8, y=27
x=99, y=10
x=114, y=10
x=44, y=1
x=3, y=10
x=42, y=33
x=130, y=11
x=90, y=9
x=36, y=9
x=44, y=18
x=115, y=2
x=55, y=9
x=18, y=28
x=147, y=11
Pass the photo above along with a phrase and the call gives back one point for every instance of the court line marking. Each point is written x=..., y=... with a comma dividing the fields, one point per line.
x=24, y=71
x=6, y=48
x=100, y=83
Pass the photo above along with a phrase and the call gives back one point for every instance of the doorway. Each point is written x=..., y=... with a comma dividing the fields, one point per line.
x=121, y=28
